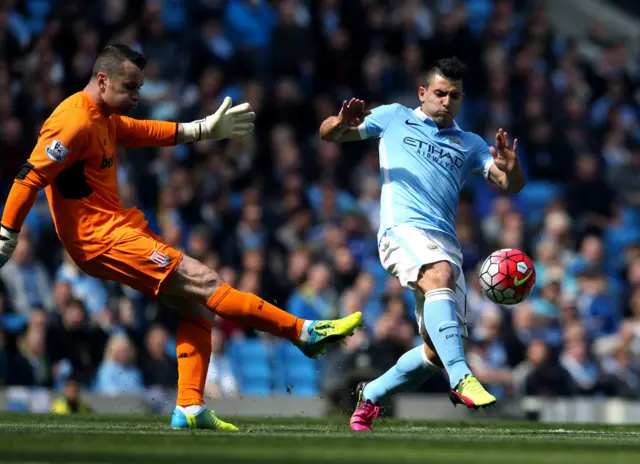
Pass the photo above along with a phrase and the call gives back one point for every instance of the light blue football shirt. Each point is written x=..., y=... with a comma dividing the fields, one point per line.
x=422, y=167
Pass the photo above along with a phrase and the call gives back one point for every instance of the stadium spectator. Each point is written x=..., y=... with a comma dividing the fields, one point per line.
x=27, y=281
x=74, y=345
x=221, y=381
x=583, y=370
x=83, y=287
x=621, y=377
x=541, y=375
x=488, y=355
x=118, y=373
x=30, y=366
x=158, y=368
x=314, y=299
x=70, y=402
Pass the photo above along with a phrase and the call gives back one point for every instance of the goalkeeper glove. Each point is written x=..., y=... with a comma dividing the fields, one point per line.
x=8, y=243
x=226, y=123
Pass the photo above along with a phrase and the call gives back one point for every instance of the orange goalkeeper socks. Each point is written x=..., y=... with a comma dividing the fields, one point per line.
x=248, y=310
x=193, y=348
x=193, y=339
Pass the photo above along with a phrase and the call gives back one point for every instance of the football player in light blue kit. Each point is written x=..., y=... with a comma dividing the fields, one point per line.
x=425, y=158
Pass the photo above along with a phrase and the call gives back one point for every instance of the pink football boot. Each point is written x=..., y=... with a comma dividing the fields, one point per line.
x=365, y=412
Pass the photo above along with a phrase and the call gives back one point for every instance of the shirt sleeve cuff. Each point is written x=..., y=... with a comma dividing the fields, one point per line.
x=362, y=130
x=487, y=166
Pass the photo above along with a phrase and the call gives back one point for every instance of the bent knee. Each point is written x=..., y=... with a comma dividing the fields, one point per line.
x=436, y=275
x=198, y=273
x=211, y=280
x=194, y=280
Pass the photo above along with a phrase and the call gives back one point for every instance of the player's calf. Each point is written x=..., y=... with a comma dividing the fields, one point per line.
x=193, y=350
x=442, y=333
x=197, y=283
x=440, y=319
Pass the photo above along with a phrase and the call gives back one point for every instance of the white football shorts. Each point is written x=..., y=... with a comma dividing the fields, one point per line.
x=405, y=249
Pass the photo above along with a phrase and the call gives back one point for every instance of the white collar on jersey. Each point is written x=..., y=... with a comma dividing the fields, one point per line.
x=418, y=112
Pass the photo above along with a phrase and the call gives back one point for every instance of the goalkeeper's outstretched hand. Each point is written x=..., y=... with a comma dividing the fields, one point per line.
x=8, y=243
x=226, y=123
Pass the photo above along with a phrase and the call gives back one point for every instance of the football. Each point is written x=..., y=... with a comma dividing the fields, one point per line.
x=507, y=276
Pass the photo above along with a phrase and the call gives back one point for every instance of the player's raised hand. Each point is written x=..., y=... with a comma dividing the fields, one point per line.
x=504, y=155
x=226, y=123
x=353, y=112
x=231, y=122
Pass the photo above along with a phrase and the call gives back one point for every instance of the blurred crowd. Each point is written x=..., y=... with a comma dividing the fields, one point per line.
x=289, y=217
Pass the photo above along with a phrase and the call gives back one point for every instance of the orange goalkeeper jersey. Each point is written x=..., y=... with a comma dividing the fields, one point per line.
x=75, y=159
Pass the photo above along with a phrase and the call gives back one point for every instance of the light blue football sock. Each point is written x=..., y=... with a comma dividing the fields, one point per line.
x=442, y=326
x=407, y=374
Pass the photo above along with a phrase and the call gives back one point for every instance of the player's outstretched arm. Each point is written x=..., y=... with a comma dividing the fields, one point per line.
x=506, y=171
x=226, y=123
x=344, y=126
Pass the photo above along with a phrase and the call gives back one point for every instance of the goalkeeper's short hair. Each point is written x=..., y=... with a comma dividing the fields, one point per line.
x=113, y=56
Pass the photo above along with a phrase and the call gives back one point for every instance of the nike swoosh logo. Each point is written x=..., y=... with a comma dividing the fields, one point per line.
x=517, y=282
x=409, y=123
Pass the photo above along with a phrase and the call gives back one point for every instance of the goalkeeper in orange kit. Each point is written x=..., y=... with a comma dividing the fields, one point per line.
x=74, y=160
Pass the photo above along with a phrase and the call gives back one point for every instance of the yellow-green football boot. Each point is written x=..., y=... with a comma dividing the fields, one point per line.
x=470, y=393
x=203, y=419
x=323, y=333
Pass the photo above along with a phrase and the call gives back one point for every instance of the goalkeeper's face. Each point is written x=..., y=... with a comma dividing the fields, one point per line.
x=121, y=91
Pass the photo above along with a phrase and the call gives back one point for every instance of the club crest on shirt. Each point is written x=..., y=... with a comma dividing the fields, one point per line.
x=159, y=258
x=455, y=140
x=56, y=151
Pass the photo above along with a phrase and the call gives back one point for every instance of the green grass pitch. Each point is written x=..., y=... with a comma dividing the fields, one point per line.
x=43, y=438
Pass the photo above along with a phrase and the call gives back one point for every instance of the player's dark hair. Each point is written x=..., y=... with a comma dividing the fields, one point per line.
x=450, y=68
x=113, y=56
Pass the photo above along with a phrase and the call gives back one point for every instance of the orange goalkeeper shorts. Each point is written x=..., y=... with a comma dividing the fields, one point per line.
x=140, y=260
